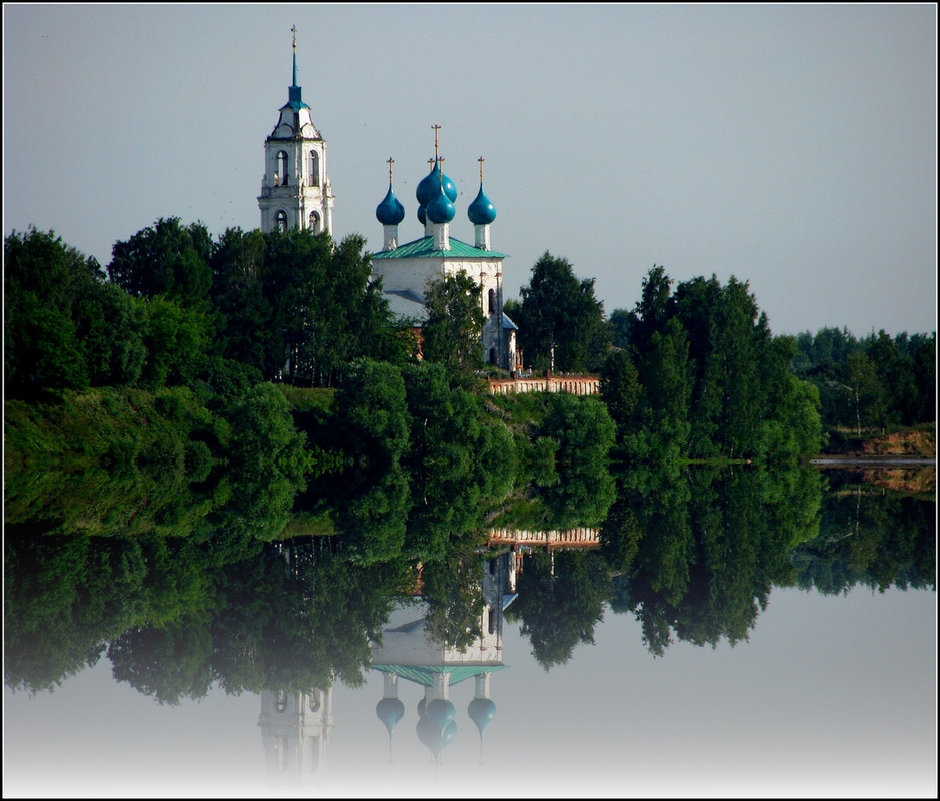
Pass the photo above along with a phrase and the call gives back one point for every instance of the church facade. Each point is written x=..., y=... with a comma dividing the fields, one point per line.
x=296, y=193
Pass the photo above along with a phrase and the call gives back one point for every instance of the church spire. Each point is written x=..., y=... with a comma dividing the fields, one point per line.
x=293, y=30
x=294, y=98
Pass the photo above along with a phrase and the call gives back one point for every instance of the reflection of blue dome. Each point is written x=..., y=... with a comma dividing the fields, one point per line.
x=390, y=211
x=432, y=183
x=481, y=211
x=441, y=711
x=430, y=735
x=481, y=712
x=390, y=711
x=421, y=706
x=448, y=735
x=440, y=210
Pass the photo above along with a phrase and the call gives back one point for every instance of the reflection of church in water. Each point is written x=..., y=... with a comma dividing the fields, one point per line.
x=407, y=654
x=296, y=727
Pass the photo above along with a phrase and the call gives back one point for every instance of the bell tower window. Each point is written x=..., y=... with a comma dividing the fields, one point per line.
x=282, y=167
x=313, y=168
x=314, y=222
x=492, y=301
x=280, y=220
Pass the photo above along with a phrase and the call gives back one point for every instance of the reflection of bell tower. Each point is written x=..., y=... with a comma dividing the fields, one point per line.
x=295, y=732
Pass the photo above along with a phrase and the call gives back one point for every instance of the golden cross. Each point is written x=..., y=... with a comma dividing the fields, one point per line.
x=481, y=168
x=391, y=161
x=436, y=128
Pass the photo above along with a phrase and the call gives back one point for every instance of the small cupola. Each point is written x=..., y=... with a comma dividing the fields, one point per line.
x=390, y=212
x=481, y=212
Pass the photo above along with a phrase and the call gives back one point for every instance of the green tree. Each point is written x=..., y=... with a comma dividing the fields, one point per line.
x=268, y=463
x=866, y=391
x=167, y=259
x=561, y=323
x=42, y=280
x=451, y=334
x=351, y=318
x=620, y=387
x=668, y=380
x=176, y=339
x=244, y=320
x=585, y=434
x=372, y=410
x=296, y=265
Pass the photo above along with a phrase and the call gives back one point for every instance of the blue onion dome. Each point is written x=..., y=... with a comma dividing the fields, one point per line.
x=441, y=712
x=481, y=712
x=428, y=186
x=440, y=210
x=390, y=711
x=390, y=211
x=449, y=189
x=422, y=215
x=432, y=183
x=481, y=211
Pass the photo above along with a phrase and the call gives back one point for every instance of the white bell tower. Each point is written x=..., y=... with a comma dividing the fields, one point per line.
x=295, y=189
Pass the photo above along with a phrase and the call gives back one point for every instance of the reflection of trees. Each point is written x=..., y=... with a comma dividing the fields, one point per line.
x=561, y=600
x=176, y=616
x=872, y=537
x=293, y=617
x=713, y=545
x=66, y=596
x=692, y=555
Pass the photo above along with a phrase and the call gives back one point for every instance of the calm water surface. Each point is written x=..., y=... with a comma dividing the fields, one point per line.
x=830, y=695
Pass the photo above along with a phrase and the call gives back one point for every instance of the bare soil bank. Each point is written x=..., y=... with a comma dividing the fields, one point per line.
x=903, y=461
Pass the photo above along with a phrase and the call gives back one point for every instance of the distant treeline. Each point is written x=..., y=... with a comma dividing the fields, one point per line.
x=870, y=383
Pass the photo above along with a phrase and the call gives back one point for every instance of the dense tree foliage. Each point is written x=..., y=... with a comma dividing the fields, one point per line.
x=451, y=334
x=699, y=375
x=561, y=323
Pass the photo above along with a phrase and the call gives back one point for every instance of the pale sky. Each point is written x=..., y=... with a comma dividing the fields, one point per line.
x=792, y=146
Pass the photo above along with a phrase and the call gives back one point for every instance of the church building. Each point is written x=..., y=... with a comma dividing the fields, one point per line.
x=296, y=193
x=406, y=268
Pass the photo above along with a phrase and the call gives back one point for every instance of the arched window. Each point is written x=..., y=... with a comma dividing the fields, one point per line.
x=313, y=168
x=492, y=301
x=314, y=703
x=313, y=222
x=282, y=166
x=492, y=355
x=280, y=220
x=280, y=701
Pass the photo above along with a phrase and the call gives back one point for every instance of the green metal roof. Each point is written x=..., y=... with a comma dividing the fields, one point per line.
x=424, y=248
x=421, y=674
